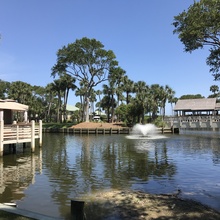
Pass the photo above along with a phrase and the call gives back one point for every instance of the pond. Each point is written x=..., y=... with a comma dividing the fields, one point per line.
x=70, y=166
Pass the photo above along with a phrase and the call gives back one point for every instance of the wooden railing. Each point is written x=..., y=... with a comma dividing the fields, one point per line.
x=20, y=133
x=186, y=122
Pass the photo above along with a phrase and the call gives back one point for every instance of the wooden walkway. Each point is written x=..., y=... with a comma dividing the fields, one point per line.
x=20, y=133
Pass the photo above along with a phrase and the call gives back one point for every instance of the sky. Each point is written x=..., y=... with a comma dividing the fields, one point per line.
x=139, y=32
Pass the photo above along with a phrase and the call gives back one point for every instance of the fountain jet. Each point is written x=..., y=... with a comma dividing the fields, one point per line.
x=144, y=130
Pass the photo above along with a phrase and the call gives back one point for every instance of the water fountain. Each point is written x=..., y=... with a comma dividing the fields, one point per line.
x=147, y=131
x=144, y=130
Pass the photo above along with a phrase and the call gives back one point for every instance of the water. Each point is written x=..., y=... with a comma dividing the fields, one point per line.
x=71, y=166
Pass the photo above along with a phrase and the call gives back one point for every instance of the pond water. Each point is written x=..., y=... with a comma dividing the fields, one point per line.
x=70, y=166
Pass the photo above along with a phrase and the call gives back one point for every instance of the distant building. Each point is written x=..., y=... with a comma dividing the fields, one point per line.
x=70, y=109
x=197, y=107
x=98, y=115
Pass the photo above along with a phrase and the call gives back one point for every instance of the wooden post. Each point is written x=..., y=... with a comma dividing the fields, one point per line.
x=210, y=123
x=1, y=137
x=40, y=133
x=1, y=172
x=77, y=210
x=17, y=132
x=32, y=136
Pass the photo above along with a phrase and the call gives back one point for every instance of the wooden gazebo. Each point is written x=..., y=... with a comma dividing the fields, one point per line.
x=13, y=131
x=196, y=107
x=8, y=109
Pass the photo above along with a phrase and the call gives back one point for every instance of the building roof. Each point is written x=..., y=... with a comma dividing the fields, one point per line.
x=100, y=113
x=205, y=104
x=12, y=105
x=71, y=108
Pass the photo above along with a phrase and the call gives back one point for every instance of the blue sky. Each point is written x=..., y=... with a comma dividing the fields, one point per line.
x=139, y=32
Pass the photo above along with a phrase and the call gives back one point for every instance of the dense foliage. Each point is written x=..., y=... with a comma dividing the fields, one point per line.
x=88, y=62
x=199, y=26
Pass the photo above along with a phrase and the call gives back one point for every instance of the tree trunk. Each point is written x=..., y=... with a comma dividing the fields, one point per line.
x=66, y=93
x=48, y=112
x=87, y=109
x=112, y=113
x=127, y=98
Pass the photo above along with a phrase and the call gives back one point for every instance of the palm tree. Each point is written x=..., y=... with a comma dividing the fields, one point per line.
x=51, y=100
x=38, y=102
x=154, y=100
x=115, y=79
x=128, y=87
x=108, y=100
x=214, y=89
x=67, y=84
x=167, y=94
x=171, y=101
x=4, y=87
x=20, y=91
x=81, y=93
x=142, y=92
x=58, y=89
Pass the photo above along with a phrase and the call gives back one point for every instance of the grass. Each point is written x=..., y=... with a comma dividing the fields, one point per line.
x=57, y=125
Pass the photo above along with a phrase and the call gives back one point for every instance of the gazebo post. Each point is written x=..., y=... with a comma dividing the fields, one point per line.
x=32, y=136
x=40, y=133
x=1, y=137
x=1, y=132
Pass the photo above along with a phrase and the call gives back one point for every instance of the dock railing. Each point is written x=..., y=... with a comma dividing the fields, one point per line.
x=194, y=122
x=20, y=133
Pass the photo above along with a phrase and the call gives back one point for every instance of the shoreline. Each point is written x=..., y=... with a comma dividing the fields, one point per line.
x=137, y=205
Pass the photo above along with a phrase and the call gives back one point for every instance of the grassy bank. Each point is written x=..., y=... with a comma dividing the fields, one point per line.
x=57, y=125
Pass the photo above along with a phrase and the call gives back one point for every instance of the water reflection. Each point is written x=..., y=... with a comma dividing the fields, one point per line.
x=17, y=172
x=71, y=166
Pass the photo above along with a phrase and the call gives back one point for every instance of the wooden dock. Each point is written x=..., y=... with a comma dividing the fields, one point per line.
x=20, y=133
x=125, y=130
x=88, y=130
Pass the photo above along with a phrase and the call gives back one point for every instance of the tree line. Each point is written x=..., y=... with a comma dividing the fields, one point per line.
x=120, y=98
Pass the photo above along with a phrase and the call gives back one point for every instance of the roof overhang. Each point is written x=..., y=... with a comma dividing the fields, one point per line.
x=9, y=104
x=208, y=104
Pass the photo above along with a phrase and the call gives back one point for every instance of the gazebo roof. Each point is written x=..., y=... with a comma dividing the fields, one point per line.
x=12, y=105
x=204, y=104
